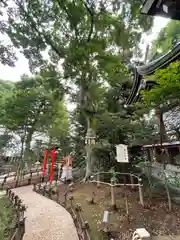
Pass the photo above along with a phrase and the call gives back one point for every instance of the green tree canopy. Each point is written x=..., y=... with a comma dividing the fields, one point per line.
x=166, y=91
x=165, y=96
x=166, y=39
x=90, y=42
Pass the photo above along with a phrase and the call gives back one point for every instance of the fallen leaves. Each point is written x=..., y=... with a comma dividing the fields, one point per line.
x=154, y=217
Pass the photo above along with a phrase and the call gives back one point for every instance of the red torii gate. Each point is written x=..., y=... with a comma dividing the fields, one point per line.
x=52, y=154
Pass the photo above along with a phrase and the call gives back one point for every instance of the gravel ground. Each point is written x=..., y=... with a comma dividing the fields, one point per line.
x=46, y=220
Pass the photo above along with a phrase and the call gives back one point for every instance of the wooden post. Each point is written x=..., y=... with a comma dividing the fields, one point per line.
x=56, y=183
x=92, y=178
x=44, y=190
x=91, y=201
x=5, y=179
x=42, y=179
x=126, y=203
x=71, y=198
x=31, y=173
x=7, y=191
x=168, y=193
x=16, y=183
x=29, y=181
x=57, y=199
x=23, y=174
x=113, y=203
x=106, y=221
x=132, y=181
x=140, y=192
x=15, y=200
x=65, y=199
x=98, y=179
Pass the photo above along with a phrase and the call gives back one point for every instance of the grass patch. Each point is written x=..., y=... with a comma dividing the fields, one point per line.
x=7, y=215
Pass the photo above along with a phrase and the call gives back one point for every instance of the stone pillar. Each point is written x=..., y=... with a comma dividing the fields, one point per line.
x=140, y=192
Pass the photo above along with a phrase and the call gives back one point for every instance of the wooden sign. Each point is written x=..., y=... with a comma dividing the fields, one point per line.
x=122, y=153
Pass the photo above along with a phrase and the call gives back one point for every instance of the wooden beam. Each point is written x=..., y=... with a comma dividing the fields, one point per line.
x=147, y=6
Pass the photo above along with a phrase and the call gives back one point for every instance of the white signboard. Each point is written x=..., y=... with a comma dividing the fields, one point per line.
x=122, y=153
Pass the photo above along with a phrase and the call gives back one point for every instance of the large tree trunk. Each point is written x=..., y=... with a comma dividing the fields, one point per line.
x=89, y=154
x=85, y=104
x=27, y=151
x=163, y=133
x=21, y=161
x=163, y=137
x=88, y=162
x=162, y=129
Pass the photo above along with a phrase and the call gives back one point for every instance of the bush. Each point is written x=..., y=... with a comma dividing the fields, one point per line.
x=7, y=215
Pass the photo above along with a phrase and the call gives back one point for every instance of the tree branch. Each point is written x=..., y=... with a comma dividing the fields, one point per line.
x=70, y=18
x=32, y=24
x=3, y=3
x=42, y=104
x=90, y=11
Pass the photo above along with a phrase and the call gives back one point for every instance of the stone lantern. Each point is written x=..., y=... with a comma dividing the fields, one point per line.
x=37, y=165
x=90, y=142
x=90, y=137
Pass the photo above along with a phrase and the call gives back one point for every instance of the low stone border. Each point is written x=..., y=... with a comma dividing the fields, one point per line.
x=69, y=204
x=19, y=224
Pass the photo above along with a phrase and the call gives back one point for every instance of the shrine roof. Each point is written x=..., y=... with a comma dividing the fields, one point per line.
x=165, y=144
x=163, y=8
x=139, y=72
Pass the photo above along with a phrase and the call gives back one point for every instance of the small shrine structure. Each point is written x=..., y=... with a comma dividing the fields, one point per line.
x=163, y=8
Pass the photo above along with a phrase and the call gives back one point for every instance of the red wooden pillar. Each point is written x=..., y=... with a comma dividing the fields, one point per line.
x=45, y=161
x=46, y=155
x=53, y=154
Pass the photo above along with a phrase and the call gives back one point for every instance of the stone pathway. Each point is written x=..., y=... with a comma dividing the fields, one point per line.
x=46, y=220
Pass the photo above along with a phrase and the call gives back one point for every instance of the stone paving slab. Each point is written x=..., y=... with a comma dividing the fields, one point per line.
x=46, y=220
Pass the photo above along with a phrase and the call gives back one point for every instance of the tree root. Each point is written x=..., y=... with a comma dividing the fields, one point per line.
x=84, y=180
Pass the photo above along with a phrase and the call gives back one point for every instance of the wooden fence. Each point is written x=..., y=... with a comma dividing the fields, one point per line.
x=28, y=178
x=135, y=182
x=68, y=202
x=18, y=230
x=24, y=172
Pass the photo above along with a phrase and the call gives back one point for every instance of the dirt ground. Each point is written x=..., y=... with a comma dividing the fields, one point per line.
x=155, y=216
